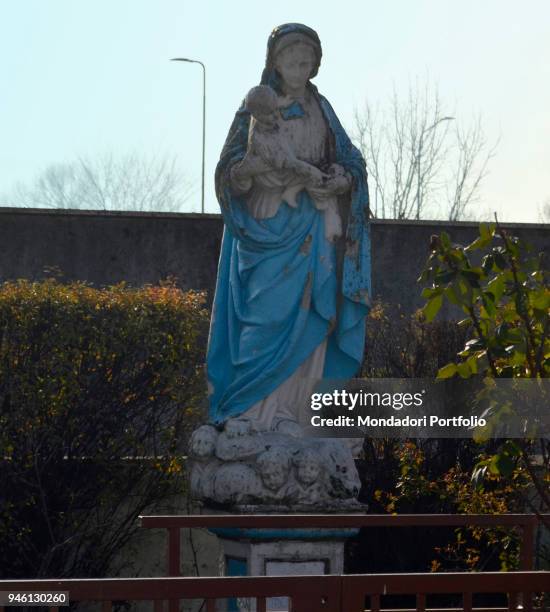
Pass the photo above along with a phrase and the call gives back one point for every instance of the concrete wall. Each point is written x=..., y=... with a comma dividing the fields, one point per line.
x=108, y=247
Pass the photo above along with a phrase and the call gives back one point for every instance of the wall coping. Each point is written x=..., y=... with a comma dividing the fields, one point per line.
x=6, y=210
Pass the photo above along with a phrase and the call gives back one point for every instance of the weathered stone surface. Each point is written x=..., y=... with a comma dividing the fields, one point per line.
x=246, y=470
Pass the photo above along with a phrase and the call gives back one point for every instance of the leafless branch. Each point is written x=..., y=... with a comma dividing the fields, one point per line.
x=414, y=156
x=130, y=182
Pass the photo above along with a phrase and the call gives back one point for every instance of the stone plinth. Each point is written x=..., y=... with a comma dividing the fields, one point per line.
x=279, y=552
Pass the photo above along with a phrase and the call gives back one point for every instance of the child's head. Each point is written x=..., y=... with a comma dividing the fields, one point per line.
x=308, y=466
x=203, y=441
x=261, y=102
x=234, y=428
x=274, y=466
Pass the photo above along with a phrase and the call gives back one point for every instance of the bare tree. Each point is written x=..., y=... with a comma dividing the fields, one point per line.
x=130, y=182
x=419, y=157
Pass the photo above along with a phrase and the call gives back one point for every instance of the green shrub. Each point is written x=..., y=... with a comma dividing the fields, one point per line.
x=506, y=300
x=99, y=389
x=426, y=475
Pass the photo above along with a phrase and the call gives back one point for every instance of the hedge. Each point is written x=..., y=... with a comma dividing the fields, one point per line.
x=99, y=389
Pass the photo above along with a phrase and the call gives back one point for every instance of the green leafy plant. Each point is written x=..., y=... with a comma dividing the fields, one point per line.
x=503, y=289
x=505, y=296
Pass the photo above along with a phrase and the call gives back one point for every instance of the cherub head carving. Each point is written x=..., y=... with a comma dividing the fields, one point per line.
x=203, y=442
x=274, y=466
x=308, y=466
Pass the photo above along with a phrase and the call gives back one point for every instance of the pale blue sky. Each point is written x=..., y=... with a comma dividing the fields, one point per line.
x=82, y=77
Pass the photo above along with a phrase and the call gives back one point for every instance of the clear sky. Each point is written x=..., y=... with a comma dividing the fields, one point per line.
x=85, y=77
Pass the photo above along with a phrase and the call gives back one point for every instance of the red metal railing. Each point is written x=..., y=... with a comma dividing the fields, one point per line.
x=352, y=593
x=173, y=524
x=306, y=593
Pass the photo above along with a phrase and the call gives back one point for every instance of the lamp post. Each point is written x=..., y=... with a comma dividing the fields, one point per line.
x=192, y=61
x=420, y=144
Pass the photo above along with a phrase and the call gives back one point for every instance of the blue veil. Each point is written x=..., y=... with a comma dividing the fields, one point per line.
x=282, y=288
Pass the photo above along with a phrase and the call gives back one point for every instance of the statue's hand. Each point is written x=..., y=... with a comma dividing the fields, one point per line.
x=340, y=183
x=312, y=174
x=334, y=185
x=335, y=182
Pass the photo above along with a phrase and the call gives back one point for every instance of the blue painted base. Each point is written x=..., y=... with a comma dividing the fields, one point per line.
x=237, y=533
x=235, y=567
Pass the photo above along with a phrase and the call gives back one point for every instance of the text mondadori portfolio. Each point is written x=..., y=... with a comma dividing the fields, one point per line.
x=431, y=420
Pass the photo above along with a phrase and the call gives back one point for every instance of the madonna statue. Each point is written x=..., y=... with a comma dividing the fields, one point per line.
x=293, y=282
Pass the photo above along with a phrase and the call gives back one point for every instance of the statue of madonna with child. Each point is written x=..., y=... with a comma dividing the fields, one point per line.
x=292, y=291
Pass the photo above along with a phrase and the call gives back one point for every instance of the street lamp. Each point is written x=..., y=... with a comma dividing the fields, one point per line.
x=420, y=143
x=192, y=61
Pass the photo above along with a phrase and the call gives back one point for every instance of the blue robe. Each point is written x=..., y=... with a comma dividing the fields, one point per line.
x=281, y=287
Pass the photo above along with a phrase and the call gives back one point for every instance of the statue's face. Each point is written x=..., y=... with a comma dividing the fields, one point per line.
x=203, y=444
x=295, y=65
x=274, y=476
x=308, y=471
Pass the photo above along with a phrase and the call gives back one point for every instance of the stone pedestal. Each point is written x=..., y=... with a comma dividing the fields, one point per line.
x=243, y=471
x=274, y=552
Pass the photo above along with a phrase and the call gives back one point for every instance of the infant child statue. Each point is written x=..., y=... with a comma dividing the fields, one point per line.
x=268, y=146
